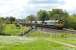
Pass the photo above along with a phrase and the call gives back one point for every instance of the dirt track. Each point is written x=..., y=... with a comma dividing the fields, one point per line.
x=57, y=31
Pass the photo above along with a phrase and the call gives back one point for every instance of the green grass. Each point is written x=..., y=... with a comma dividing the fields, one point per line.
x=64, y=37
x=37, y=34
x=13, y=30
x=39, y=44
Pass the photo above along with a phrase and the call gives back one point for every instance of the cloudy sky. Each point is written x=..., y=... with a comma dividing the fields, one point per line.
x=22, y=8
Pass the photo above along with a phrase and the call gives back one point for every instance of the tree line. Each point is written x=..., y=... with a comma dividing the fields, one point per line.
x=55, y=14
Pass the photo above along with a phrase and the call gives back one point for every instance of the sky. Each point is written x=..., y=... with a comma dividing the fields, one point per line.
x=23, y=8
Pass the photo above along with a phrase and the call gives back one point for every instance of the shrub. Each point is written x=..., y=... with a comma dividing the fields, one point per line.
x=71, y=22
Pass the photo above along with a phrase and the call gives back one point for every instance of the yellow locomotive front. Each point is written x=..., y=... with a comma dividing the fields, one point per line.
x=60, y=24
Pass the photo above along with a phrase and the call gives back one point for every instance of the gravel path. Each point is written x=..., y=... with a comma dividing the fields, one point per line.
x=16, y=39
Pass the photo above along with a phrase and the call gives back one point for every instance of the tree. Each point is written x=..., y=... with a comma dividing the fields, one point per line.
x=1, y=26
x=58, y=14
x=10, y=19
x=31, y=18
x=42, y=15
x=71, y=22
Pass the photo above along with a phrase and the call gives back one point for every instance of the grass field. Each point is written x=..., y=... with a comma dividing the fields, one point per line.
x=63, y=37
x=13, y=30
x=36, y=40
x=33, y=44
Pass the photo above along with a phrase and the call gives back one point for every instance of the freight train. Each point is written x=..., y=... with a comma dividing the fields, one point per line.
x=57, y=24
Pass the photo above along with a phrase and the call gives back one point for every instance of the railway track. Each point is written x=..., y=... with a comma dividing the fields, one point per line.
x=58, y=31
x=49, y=30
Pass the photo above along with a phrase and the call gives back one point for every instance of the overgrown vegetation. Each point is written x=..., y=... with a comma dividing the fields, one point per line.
x=11, y=29
x=71, y=22
x=56, y=14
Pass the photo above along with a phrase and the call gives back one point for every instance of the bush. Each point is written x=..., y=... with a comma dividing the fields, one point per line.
x=71, y=22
